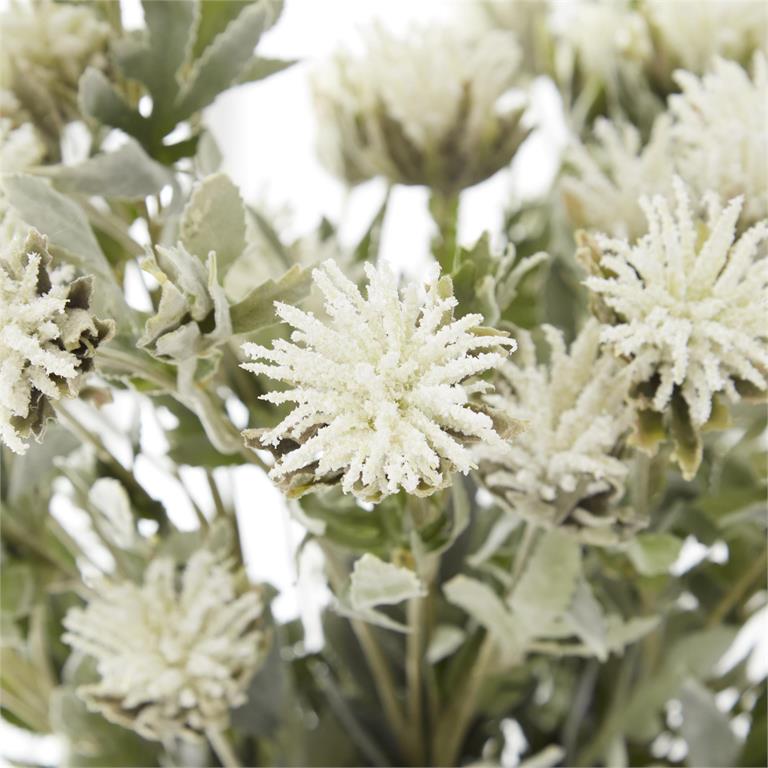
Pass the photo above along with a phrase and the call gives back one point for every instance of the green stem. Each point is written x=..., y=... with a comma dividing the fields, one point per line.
x=222, y=746
x=445, y=213
x=414, y=679
x=382, y=678
x=451, y=731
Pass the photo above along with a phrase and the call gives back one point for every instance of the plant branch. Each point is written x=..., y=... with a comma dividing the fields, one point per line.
x=222, y=746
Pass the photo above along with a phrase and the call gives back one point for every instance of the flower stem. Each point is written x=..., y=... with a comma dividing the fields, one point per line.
x=414, y=679
x=222, y=746
x=450, y=733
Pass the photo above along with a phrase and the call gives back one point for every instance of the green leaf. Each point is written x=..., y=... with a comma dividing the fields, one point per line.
x=128, y=173
x=259, y=68
x=549, y=581
x=256, y=311
x=652, y=554
x=586, y=618
x=489, y=610
x=711, y=742
x=215, y=17
x=214, y=220
x=222, y=62
x=66, y=226
x=157, y=63
x=375, y=582
x=17, y=589
x=99, y=100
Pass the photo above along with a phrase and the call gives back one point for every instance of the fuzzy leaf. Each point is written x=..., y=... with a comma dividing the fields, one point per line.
x=17, y=589
x=256, y=310
x=652, y=554
x=214, y=220
x=99, y=100
x=549, y=581
x=222, y=62
x=375, y=582
x=260, y=67
x=586, y=618
x=128, y=173
x=489, y=610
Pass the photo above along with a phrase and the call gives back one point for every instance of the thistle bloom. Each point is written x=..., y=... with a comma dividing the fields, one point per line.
x=563, y=469
x=720, y=133
x=424, y=110
x=692, y=35
x=686, y=305
x=381, y=390
x=173, y=654
x=48, y=337
x=46, y=47
x=606, y=180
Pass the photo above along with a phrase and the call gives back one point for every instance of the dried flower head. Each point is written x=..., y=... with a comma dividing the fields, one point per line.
x=720, y=133
x=686, y=305
x=175, y=653
x=563, y=470
x=382, y=389
x=421, y=110
x=46, y=47
x=48, y=338
x=605, y=180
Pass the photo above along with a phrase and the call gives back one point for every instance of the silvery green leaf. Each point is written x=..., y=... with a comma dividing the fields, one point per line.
x=489, y=610
x=445, y=640
x=375, y=582
x=585, y=616
x=693, y=655
x=215, y=17
x=17, y=588
x=214, y=220
x=222, y=62
x=546, y=758
x=256, y=311
x=67, y=228
x=260, y=67
x=208, y=156
x=711, y=742
x=99, y=100
x=549, y=581
x=498, y=534
x=157, y=61
x=620, y=633
x=653, y=553
x=108, y=497
x=128, y=173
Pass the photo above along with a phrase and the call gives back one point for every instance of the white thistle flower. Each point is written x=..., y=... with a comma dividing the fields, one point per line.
x=426, y=109
x=692, y=34
x=48, y=338
x=564, y=468
x=720, y=133
x=381, y=389
x=175, y=653
x=604, y=36
x=606, y=180
x=688, y=305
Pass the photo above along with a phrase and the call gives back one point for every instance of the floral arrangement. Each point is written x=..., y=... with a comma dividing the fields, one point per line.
x=532, y=477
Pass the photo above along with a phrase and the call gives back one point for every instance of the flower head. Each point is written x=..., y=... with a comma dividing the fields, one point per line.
x=720, y=133
x=46, y=47
x=606, y=180
x=691, y=35
x=48, y=337
x=421, y=110
x=175, y=653
x=686, y=304
x=564, y=468
x=381, y=390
